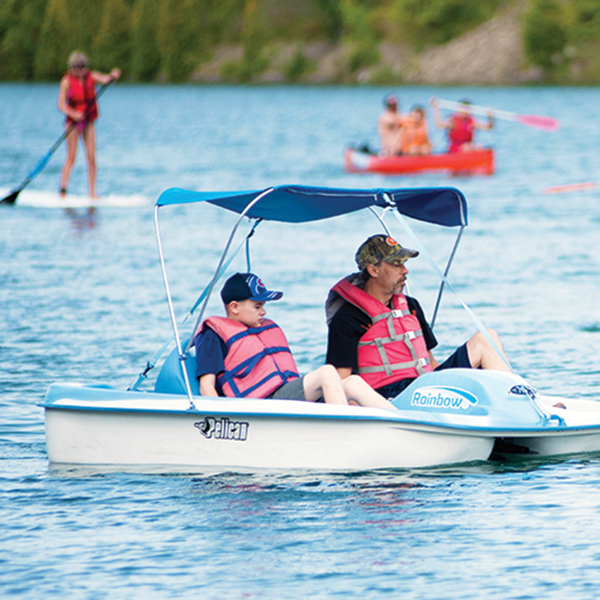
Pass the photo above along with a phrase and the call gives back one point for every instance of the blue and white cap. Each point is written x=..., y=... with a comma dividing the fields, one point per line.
x=247, y=286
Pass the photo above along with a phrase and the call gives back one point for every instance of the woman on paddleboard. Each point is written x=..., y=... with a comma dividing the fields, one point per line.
x=77, y=100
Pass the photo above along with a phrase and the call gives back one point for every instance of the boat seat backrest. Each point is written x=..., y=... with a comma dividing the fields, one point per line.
x=170, y=379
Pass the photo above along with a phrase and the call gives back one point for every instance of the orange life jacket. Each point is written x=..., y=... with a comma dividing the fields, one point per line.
x=258, y=361
x=414, y=137
x=80, y=94
x=393, y=348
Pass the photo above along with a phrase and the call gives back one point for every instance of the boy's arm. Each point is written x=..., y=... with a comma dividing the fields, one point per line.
x=210, y=356
x=207, y=385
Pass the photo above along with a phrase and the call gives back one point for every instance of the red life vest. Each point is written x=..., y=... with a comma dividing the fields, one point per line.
x=393, y=348
x=80, y=93
x=258, y=361
x=461, y=131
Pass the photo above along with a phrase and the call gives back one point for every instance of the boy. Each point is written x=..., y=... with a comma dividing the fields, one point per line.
x=245, y=355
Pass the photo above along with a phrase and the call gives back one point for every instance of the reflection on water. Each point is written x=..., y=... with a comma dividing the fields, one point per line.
x=82, y=220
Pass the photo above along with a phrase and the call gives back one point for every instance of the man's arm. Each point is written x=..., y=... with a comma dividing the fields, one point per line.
x=434, y=363
x=210, y=356
x=344, y=372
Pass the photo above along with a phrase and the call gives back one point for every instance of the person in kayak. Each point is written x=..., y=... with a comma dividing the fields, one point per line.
x=460, y=126
x=414, y=138
x=377, y=331
x=389, y=127
x=76, y=99
x=245, y=355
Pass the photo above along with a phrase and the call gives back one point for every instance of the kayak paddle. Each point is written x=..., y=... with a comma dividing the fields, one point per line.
x=570, y=187
x=547, y=123
x=12, y=197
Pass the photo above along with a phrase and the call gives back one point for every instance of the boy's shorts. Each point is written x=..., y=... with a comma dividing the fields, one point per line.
x=292, y=390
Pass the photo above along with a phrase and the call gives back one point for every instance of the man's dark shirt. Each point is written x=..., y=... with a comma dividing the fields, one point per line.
x=347, y=327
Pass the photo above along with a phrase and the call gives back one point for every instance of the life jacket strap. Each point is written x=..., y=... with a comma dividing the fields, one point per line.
x=392, y=314
x=418, y=364
x=405, y=337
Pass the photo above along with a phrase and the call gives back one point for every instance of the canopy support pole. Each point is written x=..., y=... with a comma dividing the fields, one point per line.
x=181, y=355
x=381, y=219
x=447, y=270
x=218, y=270
x=434, y=266
x=152, y=362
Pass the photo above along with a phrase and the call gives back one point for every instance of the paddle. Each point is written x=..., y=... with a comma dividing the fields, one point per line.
x=546, y=123
x=12, y=197
x=570, y=187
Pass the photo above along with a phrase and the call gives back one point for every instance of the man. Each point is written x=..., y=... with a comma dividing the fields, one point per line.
x=460, y=126
x=245, y=355
x=381, y=334
x=389, y=127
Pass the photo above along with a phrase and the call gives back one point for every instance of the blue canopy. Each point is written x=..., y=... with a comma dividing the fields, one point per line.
x=299, y=204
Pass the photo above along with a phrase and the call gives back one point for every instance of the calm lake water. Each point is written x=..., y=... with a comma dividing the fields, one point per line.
x=82, y=300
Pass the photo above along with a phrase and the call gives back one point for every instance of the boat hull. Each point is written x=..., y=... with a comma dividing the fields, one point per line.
x=442, y=418
x=477, y=162
x=156, y=429
x=580, y=435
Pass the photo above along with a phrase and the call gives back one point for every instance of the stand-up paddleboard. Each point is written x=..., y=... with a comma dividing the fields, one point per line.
x=42, y=199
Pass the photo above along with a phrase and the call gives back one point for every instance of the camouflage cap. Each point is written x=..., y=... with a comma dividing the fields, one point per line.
x=379, y=248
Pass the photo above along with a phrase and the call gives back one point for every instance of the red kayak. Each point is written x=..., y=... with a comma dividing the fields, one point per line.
x=476, y=162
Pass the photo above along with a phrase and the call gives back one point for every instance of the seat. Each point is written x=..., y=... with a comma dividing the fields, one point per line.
x=170, y=378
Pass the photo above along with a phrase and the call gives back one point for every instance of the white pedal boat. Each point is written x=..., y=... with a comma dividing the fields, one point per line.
x=452, y=416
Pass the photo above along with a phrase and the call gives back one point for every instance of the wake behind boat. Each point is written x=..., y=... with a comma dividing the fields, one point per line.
x=445, y=417
x=474, y=162
x=43, y=199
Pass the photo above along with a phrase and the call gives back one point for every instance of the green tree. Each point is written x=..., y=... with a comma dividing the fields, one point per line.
x=359, y=32
x=438, y=21
x=330, y=16
x=55, y=41
x=111, y=46
x=68, y=25
x=84, y=22
x=20, y=25
x=179, y=36
x=585, y=20
x=253, y=60
x=223, y=19
x=545, y=34
x=145, y=57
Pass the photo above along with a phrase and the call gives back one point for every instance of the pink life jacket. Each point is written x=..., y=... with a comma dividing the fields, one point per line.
x=461, y=132
x=393, y=348
x=258, y=361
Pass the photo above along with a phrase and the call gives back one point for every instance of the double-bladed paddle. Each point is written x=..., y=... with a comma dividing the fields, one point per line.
x=538, y=121
x=12, y=197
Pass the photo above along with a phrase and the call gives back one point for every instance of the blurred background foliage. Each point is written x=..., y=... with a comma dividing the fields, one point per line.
x=166, y=40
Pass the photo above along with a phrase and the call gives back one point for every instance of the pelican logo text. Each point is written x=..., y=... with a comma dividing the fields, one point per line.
x=222, y=429
x=442, y=397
